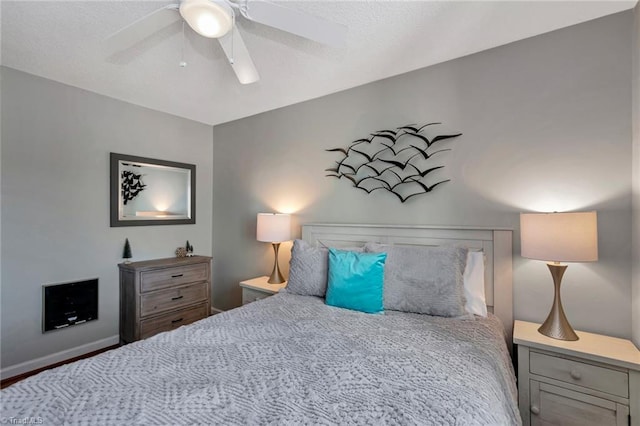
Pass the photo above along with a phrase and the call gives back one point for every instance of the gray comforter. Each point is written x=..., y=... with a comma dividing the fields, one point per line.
x=287, y=360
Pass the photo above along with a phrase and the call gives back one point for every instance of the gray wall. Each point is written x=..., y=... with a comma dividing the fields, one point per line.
x=546, y=125
x=635, y=310
x=56, y=142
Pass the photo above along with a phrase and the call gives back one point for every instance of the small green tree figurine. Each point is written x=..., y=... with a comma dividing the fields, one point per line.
x=189, y=249
x=126, y=254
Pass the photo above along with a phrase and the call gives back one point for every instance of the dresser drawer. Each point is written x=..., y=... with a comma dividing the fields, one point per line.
x=172, y=298
x=172, y=320
x=579, y=373
x=170, y=277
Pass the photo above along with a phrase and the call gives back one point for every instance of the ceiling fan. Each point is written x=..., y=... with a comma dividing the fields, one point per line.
x=216, y=19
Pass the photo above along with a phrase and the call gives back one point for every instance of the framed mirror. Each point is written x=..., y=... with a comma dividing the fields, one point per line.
x=146, y=191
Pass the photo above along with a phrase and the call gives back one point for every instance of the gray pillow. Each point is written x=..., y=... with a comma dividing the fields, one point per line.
x=425, y=280
x=308, y=269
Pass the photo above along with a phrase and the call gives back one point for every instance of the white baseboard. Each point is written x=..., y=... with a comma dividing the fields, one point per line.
x=216, y=311
x=34, y=364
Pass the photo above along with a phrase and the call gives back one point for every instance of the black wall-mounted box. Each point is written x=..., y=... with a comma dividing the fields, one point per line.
x=69, y=304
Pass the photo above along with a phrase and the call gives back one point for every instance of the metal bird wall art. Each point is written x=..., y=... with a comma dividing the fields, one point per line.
x=131, y=185
x=398, y=161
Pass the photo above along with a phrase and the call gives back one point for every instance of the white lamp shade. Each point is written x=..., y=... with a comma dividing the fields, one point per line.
x=559, y=237
x=206, y=17
x=273, y=227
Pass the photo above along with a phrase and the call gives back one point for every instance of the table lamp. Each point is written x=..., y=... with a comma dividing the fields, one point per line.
x=555, y=238
x=274, y=228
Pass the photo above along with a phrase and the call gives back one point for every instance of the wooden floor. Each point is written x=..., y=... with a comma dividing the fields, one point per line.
x=11, y=380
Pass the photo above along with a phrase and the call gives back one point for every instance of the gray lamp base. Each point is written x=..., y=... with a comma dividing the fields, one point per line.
x=556, y=325
x=276, y=276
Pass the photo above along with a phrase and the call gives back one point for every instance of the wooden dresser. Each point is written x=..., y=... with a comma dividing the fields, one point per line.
x=163, y=294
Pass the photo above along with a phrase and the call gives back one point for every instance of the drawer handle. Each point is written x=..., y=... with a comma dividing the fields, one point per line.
x=177, y=276
x=177, y=298
x=178, y=320
x=535, y=410
x=575, y=374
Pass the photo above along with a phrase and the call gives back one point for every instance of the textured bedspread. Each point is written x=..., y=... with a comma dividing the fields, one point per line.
x=287, y=360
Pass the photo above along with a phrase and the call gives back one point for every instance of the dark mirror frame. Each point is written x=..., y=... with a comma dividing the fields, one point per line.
x=115, y=191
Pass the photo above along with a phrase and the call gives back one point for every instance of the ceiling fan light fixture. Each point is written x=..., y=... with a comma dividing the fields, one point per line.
x=206, y=17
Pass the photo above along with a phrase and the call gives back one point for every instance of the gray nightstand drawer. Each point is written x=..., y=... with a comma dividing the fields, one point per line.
x=578, y=373
x=249, y=295
x=259, y=288
x=553, y=405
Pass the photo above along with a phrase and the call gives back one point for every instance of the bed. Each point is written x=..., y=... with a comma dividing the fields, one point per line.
x=292, y=359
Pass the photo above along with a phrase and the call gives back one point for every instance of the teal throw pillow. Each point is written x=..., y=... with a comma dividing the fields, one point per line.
x=356, y=280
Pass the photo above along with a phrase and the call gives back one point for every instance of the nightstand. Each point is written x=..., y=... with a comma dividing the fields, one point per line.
x=592, y=381
x=259, y=288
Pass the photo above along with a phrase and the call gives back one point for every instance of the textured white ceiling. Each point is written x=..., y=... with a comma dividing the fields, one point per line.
x=64, y=41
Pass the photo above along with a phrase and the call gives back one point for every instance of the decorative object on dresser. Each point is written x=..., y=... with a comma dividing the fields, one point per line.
x=559, y=237
x=169, y=196
x=163, y=294
x=274, y=228
x=126, y=252
x=259, y=288
x=398, y=160
x=594, y=381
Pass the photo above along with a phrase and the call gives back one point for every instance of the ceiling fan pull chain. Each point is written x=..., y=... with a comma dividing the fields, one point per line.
x=233, y=27
x=183, y=63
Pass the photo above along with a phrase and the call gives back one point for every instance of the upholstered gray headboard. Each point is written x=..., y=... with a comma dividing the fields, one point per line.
x=496, y=244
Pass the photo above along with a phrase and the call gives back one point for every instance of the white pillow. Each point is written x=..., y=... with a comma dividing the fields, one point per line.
x=474, y=284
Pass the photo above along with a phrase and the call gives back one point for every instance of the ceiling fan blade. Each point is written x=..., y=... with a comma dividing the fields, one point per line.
x=295, y=22
x=142, y=28
x=238, y=56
